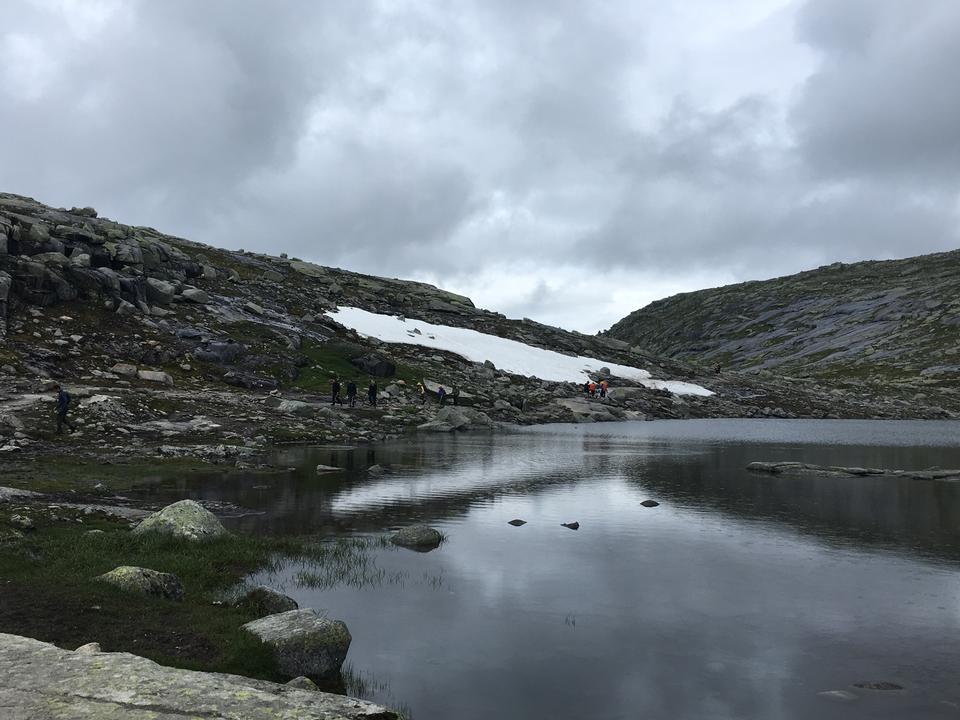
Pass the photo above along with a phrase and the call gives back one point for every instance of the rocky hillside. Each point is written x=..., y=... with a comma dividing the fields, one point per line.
x=174, y=346
x=893, y=323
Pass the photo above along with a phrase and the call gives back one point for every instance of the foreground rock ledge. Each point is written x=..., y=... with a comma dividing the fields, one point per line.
x=39, y=681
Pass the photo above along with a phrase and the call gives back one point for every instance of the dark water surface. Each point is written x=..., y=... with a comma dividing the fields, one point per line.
x=740, y=596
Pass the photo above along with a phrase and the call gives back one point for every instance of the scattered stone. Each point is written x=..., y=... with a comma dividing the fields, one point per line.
x=375, y=470
x=195, y=295
x=302, y=683
x=187, y=520
x=304, y=642
x=417, y=537
x=144, y=581
x=517, y=522
x=23, y=522
x=327, y=469
x=252, y=307
x=263, y=601
x=89, y=649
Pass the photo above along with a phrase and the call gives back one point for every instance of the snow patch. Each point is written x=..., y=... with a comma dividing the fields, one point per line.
x=508, y=355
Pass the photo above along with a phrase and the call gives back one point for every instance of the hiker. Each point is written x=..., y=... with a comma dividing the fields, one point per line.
x=335, y=392
x=603, y=388
x=455, y=394
x=441, y=395
x=593, y=389
x=372, y=393
x=586, y=388
x=63, y=405
x=422, y=392
x=352, y=393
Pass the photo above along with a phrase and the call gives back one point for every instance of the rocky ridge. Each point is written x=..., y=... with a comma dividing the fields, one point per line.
x=890, y=329
x=173, y=347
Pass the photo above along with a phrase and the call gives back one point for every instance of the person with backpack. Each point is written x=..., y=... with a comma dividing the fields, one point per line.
x=352, y=393
x=455, y=394
x=63, y=405
x=372, y=393
x=441, y=395
x=422, y=392
x=603, y=388
x=335, y=392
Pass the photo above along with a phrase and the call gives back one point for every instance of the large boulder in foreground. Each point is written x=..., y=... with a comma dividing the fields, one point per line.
x=144, y=581
x=43, y=681
x=304, y=642
x=186, y=520
x=417, y=537
x=263, y=601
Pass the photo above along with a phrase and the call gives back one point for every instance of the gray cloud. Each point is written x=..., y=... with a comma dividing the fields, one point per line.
x=499, y=146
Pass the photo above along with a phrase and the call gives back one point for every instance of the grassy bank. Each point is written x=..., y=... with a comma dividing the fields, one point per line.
x=49, y=592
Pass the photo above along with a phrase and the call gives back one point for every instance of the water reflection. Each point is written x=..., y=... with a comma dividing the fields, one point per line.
x=741, y=596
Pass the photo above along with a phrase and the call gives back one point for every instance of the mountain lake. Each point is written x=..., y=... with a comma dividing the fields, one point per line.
x=741, y=595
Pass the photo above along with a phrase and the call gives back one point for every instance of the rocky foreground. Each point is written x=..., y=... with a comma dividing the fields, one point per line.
x=171, y=347
x=44, y=682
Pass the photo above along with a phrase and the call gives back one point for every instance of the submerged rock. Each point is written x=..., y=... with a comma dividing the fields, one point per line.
x=650, y=503
x=263, y=601
x=417, y=537
x=304, y=642
x=186, y=519
x=517, y=522
x=144, y=581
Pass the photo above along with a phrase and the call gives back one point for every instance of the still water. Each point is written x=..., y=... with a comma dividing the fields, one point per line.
x=740, y=596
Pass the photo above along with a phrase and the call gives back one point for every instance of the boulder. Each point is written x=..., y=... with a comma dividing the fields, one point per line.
x=450, y=418
x=195, y=295
x=417, y=537
x=160, y=292
x=155, y=376
x=187, y=520
x=144, y=581
x=124, y=370
x=304, y=642
x=292, y=407
x=263, y=601
x=375, y=364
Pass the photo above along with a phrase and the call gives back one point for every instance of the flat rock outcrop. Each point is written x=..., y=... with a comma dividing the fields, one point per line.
x=43, y=682
x=187, y=520
x=779, y=468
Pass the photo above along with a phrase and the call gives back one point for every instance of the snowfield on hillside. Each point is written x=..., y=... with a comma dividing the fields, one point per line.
x=508, y=355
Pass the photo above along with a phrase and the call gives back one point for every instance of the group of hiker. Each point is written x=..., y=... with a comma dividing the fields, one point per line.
x=335, y=388
x=596, y=389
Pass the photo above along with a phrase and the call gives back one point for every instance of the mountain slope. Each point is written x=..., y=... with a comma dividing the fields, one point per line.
x=881, y=322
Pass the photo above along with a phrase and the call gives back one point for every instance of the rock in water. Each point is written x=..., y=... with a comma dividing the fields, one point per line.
x=263, y=601
x=186, y=519
x=650, y=503
x=144, y=581
x=517, y=522
x=572, y=526
x=304, y=642
x=417, y=537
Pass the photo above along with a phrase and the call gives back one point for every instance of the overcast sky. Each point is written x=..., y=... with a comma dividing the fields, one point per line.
x=564, y=160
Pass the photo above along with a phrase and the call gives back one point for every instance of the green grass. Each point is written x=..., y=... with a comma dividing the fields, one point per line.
x=50, y=591
x=333, y=359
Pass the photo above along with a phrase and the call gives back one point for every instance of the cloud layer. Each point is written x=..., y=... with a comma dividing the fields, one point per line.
x=563, y=160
